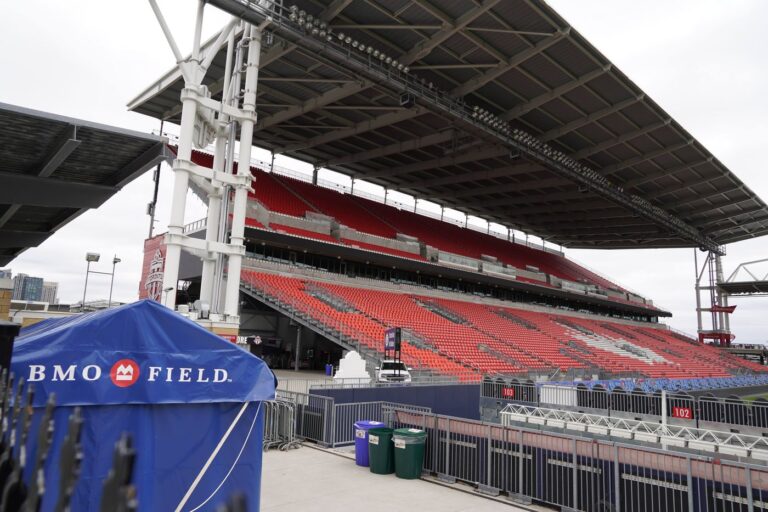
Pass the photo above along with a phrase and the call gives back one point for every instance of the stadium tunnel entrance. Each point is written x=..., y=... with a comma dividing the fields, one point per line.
x=274, y=336
x=283, y=343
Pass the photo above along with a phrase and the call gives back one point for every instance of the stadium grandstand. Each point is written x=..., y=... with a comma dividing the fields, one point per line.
x=499, y=110
x=530, y=375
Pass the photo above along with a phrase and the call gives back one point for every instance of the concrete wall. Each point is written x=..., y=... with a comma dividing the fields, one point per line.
x=353, y=234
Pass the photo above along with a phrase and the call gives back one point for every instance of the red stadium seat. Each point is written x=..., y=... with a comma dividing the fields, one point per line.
x=464, y=338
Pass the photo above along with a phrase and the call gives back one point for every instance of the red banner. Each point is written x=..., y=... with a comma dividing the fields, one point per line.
x=508, y=392
x=151, y=284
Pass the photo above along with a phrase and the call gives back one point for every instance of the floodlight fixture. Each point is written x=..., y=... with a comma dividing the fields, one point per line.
x=92, y=257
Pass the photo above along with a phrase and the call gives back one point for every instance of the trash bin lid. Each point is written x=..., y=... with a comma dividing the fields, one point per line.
x=368, y=424
x=410, y=432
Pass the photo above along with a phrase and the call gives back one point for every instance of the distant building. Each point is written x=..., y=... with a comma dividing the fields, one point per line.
x=50, y=292
x=6, y=273
x=27, y=288
x=6, y=291
x=29, y=312
x=18, y=286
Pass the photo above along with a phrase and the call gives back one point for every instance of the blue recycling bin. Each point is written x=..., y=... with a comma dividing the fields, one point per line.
x=361, y=440
x=329, y=370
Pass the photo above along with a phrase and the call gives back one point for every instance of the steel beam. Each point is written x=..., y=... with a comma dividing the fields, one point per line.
x=698, y=196
x=618, y=166
x=722, y=204
x=621, y=139
x=331, y=96
x=424, y=48
x=620, y=218
x=154, y=155
x=571, y=206
x=357, y=129
x=485, y=153
x=64, y=145
x=47, y=192
x=400, y=147
x=507, y=187
x=735, y=224
x=12, y=239
x=555, y=93
x=508, y=64
x=591, y=118
x=506, y=171
x=661, y=173
x=707, y=224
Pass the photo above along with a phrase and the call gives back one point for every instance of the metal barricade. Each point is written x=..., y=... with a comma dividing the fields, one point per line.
x=581, y=473
x=345, y=416
x=280, y=425
x=314, y=415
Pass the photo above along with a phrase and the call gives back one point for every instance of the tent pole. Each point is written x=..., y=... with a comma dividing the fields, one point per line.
x=215, y=452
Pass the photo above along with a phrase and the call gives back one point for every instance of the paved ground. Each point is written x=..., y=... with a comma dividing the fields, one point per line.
x=309, y=480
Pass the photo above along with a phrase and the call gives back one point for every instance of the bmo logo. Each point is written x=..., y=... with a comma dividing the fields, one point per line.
x=124, y=373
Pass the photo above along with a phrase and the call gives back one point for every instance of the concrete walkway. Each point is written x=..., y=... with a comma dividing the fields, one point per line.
x=308, y=480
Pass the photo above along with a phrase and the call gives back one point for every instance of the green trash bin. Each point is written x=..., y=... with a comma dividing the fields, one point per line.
x=381, y=460
x=409, y=452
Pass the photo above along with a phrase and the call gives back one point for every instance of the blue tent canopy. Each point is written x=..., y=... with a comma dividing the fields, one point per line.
x=189, y=398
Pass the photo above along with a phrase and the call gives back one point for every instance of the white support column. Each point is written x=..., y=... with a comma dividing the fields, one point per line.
x=179, y=200
x=208, y=291
x=231, y=302
x=725, y=321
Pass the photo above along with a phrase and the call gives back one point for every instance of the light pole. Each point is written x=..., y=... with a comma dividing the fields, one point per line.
x=89, y=257
x=166, y=291
x=115, y=261
x=94, y=257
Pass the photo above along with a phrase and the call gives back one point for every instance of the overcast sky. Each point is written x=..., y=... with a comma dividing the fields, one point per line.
x=702, y=61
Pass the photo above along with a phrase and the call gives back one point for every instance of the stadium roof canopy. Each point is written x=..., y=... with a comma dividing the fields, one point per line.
x=617, y=171
x=53, y=168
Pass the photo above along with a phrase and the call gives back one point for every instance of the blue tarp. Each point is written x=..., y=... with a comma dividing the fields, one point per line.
x=174, y=386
